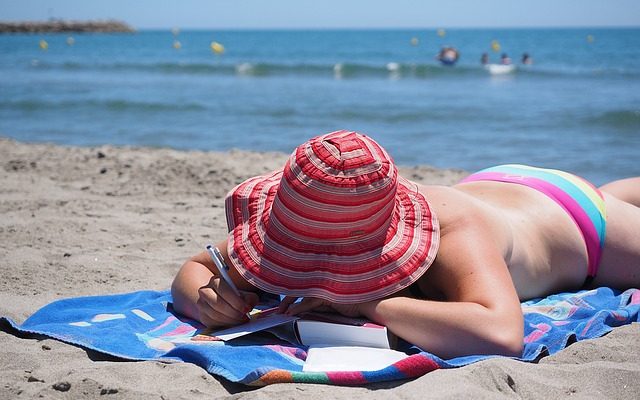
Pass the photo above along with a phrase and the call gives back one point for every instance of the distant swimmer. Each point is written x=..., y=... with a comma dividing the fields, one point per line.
x=505, y=60
x=484, y=59
x=526, y=59
x=448, y=55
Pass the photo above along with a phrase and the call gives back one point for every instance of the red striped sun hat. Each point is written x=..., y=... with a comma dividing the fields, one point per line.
x=337, y=223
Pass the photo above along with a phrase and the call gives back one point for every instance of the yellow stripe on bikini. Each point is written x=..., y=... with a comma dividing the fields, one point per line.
x=584, y=187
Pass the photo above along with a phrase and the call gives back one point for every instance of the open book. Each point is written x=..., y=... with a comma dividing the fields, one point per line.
x=309, y=329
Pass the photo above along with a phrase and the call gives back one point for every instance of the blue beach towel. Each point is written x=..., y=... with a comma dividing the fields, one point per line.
x=142, y=326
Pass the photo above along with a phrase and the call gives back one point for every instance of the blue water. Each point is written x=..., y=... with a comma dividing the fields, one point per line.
x=576, y=108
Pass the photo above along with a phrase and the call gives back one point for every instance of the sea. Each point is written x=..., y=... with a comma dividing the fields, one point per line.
x=577, y=107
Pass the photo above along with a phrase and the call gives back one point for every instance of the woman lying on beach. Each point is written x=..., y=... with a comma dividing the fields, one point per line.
x=445, y=268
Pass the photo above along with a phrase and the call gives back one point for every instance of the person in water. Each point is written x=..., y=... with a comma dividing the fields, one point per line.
x=448, y=55
x=484, y=59
x=505, y=59
x=526, y=59
x=444, y=268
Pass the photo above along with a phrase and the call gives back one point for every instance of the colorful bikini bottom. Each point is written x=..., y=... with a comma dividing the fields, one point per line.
x=579, y=198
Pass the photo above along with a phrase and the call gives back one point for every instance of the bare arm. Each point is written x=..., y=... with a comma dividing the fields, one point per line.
x=482, y=314
x=199, y=293
x=449, y=329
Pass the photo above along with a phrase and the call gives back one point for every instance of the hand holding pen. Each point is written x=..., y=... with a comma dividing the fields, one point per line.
x=223, y=270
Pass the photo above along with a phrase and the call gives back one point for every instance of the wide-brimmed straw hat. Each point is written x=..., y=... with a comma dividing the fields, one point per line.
x=337, y=223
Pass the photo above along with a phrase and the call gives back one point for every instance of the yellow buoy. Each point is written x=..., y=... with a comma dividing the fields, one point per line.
x=177, y=45
x=590, y=38
x=495, y=46
x=44, y=45
x=217, y=48
x=70, y=41
x=441, y=32
x=414, y=41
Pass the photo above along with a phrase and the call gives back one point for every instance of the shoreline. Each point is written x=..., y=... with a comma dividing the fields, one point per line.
x=79, y=221
x=422, y=173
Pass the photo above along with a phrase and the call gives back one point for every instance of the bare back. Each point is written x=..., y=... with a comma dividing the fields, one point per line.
x=541, y=245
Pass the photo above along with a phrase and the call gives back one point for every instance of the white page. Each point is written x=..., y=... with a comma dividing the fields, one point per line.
x=252, y=326
x=350, y=358
x=318, y=333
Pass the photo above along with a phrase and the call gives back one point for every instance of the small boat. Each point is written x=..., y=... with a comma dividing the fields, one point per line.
x=500, y=69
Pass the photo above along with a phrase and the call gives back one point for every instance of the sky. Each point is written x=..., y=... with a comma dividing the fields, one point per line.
x=291, y=14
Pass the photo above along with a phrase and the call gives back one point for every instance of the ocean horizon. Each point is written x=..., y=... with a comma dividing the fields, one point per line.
x=577, y=107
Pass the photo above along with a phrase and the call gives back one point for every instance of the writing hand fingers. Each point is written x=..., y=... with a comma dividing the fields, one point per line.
x=229, y=296
x=251, y=299
x=211, y=318
x=215, y=305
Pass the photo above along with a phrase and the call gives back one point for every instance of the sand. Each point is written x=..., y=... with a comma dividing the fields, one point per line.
x=86, y=221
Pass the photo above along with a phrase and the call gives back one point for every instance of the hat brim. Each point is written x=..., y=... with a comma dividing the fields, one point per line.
x=408, y=250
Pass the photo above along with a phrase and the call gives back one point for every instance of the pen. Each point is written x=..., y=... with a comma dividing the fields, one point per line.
x=222, y=267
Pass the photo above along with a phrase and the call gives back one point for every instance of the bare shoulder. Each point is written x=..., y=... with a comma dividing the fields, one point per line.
x=470, y=265
x=463, y=212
